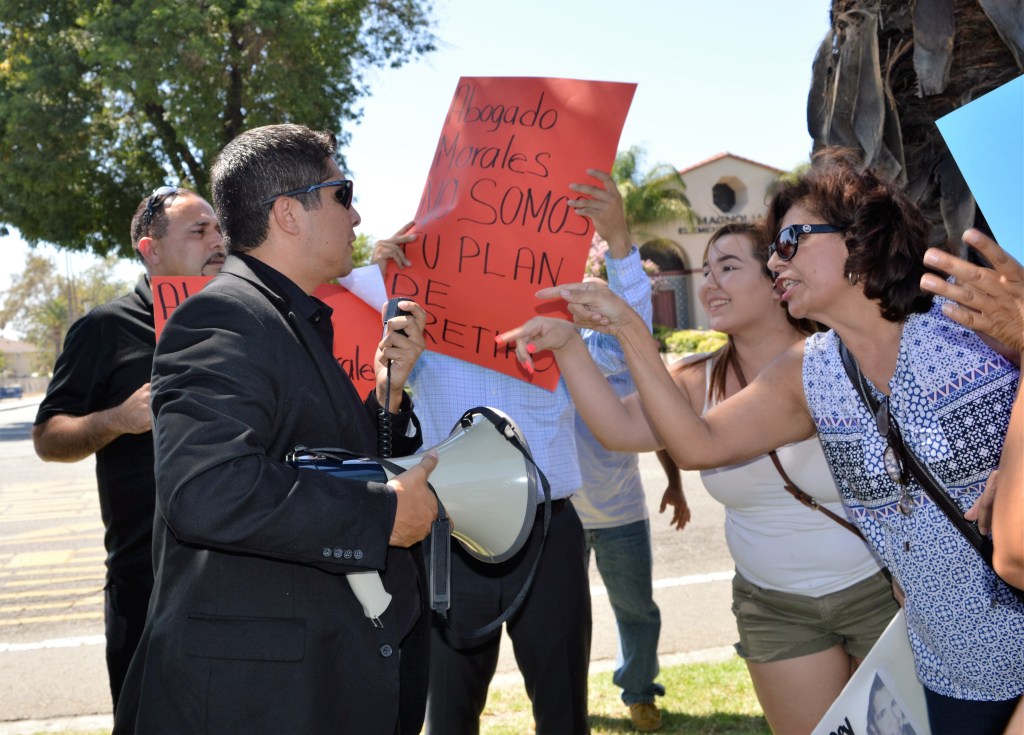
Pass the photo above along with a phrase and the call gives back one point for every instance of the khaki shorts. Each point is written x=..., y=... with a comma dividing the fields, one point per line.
x=774, y=626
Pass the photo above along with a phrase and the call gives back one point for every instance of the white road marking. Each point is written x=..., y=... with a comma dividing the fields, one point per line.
x=598, y=591
x=595, y=591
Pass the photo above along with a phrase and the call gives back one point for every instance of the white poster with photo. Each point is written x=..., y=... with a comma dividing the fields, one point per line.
x=884, y=696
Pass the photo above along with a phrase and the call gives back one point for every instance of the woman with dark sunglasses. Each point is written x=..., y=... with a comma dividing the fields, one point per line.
x=948, y=391
x=805, y=620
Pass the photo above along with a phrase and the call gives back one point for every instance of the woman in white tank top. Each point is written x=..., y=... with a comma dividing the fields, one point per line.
x=794, y=566
x=782, y=549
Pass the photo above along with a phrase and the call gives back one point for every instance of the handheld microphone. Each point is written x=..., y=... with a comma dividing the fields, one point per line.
x=393, y=309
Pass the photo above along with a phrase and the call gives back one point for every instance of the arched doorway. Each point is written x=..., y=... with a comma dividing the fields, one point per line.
x=670, y=299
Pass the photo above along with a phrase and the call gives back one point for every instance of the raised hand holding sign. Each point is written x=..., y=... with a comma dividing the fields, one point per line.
x=499, y=217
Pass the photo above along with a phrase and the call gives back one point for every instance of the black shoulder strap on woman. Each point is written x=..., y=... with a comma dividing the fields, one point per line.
x=924, y=477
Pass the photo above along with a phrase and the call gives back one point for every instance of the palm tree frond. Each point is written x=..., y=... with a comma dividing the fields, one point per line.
x=650, y=197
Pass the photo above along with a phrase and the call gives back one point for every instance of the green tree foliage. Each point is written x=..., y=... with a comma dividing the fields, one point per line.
x=362, y=249
x=103, y=100
x=789, y=178
x=650, y=196
x=42, y=302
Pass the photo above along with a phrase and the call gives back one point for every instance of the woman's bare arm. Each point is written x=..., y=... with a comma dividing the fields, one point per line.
x=771, y=412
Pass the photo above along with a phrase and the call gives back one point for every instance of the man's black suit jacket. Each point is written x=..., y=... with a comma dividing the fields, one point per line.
x=252, y=625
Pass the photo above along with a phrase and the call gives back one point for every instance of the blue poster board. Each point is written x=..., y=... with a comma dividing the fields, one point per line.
x=986, y=138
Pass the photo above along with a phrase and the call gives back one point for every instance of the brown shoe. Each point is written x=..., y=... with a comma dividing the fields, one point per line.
x=646, y=716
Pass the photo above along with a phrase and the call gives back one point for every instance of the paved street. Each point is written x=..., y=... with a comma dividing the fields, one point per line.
x=51, y=585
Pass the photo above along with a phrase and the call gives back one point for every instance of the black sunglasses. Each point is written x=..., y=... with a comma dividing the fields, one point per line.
x=343, y=194
x=789, y=238
x=156, y=200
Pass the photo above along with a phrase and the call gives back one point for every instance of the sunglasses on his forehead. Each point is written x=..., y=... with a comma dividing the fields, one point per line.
x=156, y=200
x=343, y=194
x=788, y=238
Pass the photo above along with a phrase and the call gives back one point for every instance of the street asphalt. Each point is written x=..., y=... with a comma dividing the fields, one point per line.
x=51, y=587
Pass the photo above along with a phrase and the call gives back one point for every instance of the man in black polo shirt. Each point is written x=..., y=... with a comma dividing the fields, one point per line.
x=98, y=403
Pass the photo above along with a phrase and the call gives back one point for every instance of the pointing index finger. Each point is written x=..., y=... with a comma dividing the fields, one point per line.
x=565, y=291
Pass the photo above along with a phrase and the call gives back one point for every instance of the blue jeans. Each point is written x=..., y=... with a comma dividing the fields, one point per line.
x=623, y=555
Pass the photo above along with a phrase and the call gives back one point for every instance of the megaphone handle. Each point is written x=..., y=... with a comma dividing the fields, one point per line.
x=369, y=590
x=441, y=549
x=440, y=563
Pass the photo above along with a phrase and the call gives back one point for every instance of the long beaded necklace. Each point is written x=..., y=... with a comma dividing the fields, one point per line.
x=892, y=457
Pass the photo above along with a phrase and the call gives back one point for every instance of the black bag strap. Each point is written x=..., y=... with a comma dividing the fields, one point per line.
x=439, y=600
x=889, y=429
x=791, y=487
x=508, y=431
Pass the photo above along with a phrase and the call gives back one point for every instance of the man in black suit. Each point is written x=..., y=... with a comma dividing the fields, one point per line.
x=253, y=625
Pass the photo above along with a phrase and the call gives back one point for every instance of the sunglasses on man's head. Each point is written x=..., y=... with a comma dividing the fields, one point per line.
x=789, y=238
x=156, y=200
x=343, y=194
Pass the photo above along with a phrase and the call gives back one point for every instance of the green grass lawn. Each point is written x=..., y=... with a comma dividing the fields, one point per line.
x=701, y=699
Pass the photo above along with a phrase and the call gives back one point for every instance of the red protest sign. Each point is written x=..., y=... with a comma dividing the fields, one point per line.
x=169, y=292
x=494, y=224
x=357, y=327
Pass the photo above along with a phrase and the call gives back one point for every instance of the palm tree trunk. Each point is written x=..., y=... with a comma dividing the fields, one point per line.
x=888, y=69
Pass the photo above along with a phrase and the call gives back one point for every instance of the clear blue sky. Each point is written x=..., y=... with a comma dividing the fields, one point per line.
x=712, y=76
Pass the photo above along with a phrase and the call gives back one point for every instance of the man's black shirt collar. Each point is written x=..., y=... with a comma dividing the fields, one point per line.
x=304, y=306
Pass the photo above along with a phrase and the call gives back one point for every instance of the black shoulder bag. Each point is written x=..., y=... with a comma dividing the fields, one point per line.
x=899, y=459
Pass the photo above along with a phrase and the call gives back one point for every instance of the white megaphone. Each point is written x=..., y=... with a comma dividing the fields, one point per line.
x=488, y=485
x=485, y=478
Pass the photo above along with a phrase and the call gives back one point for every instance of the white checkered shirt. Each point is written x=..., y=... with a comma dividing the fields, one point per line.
x=444, y=388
